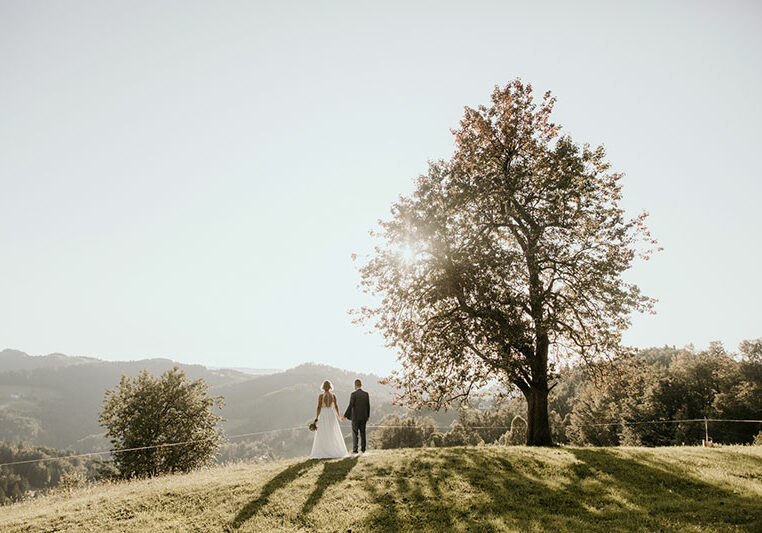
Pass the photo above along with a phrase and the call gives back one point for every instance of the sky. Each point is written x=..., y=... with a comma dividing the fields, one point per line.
x=189, y=179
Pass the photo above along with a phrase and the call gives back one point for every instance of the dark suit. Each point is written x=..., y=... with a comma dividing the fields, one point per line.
x=358, y=411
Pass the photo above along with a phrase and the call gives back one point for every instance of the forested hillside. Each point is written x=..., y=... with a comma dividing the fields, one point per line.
x=288, y=398
x=19, y=480
x=54, y=400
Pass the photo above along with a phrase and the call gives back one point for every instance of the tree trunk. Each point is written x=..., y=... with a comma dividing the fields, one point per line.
x=538, y=427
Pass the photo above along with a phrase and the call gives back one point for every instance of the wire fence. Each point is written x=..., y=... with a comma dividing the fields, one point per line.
x=370, y=426
x=618, y=423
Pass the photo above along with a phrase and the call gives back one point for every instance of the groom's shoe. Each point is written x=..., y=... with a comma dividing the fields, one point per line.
x=354, y=452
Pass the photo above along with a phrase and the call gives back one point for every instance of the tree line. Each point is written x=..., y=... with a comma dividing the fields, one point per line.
x=18, y=481
x=625, y=402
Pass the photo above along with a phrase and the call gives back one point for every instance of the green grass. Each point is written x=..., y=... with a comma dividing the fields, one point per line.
x=487, y=488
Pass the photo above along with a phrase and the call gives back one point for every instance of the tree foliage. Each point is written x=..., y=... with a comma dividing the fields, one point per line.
x=686, y=385
x=403, y=432
x=156, y=413
x=505, y=260
x=17, y=427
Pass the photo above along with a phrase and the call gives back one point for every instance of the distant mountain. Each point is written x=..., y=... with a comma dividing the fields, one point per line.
x=289, y=398
x=54, y=400
x=17, y=360
x=247, y=370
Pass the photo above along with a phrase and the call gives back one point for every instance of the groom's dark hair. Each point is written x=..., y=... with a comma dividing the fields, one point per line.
x=358, y=383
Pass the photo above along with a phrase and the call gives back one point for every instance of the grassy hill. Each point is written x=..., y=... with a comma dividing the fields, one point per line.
x=447, y=489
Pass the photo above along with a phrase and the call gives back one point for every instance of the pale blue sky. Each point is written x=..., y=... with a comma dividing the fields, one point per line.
x=188, y=179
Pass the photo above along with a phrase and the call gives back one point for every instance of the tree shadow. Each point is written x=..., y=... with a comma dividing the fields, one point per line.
x=282, y=479
x=401, y=500
x=599, y=490
x=385, y=518
x=667, y=496
x=333, y=472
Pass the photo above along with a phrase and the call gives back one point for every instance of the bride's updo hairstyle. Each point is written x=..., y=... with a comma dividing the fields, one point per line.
x=327, y=388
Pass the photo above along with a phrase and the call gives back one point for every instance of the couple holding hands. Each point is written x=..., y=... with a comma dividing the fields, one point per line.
x=329, y=442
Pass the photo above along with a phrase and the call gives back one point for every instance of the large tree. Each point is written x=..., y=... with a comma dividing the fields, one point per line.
x=506, y=260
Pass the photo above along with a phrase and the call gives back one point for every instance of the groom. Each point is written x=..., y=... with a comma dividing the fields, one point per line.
x=358, y=411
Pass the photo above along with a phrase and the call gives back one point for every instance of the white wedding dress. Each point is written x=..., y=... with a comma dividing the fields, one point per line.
x=329, y=442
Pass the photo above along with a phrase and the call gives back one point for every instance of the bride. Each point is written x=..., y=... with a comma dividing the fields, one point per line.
x=329, y=442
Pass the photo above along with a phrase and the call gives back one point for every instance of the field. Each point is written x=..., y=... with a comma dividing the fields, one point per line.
x=488, y=488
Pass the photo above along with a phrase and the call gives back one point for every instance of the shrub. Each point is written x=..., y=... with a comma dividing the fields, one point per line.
x=154, y=414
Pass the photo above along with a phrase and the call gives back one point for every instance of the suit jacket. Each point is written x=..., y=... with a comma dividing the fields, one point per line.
x=358, y=409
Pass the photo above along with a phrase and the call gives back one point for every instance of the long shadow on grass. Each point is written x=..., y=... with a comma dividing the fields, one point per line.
x=386, y=517
x=667, y=495
x=600, y=491
x=282, y=479
x=607, y=492
x=333, y=472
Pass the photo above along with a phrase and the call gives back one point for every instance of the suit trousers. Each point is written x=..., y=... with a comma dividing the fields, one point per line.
x=358, y=426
